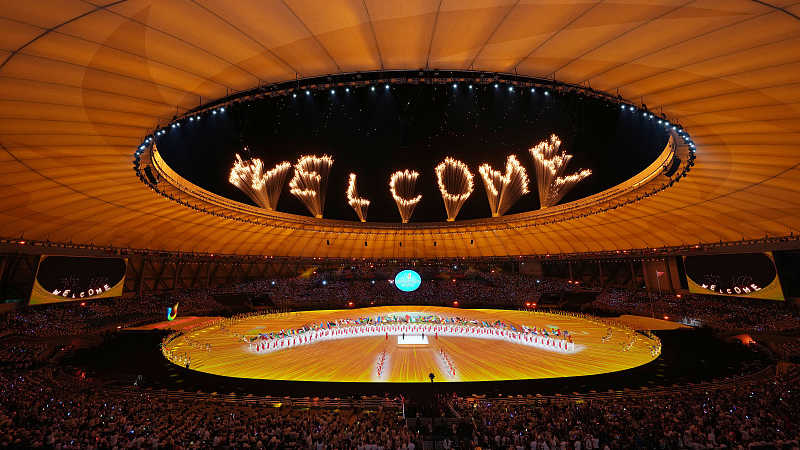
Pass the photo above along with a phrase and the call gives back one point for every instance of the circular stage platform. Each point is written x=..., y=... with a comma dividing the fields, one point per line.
x=402, y=344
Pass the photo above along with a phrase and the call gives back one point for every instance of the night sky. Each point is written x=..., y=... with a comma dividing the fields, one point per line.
x=413, y=126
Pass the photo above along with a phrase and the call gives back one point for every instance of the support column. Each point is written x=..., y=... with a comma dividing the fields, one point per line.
x=140, y=282
x=633, y=275
x=3, y=267
x=177, y=274
x=646, y=274
x=602, y=278
x=668, y=277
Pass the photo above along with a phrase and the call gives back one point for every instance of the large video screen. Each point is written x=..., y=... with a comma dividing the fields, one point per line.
x=73, y=278
x=407, y=280
x=750, y=275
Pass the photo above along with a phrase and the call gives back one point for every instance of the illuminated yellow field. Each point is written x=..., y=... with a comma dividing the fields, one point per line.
x=358, y=359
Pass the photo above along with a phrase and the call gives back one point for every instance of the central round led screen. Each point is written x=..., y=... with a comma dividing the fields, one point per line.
x=407, y=280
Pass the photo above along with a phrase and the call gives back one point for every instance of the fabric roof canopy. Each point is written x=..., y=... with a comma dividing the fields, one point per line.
x=81, y=82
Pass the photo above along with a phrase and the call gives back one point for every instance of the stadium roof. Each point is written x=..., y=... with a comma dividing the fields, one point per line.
x=81, y=82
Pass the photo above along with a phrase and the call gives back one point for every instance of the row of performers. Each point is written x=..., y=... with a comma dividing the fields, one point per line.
x=266, y=343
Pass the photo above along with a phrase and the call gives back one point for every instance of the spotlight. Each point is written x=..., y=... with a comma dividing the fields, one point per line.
x=546, y=92
x=308, y=92
x=631, y=108
x=191, y=119
x=470, y=86
x=173, y=125
x=222, y=109
x=387, y=86
x=623, y=107
x=294, y=95
x=510, y=89
x=533, y=90
x=347, y=89
x=496, y=85
x=373, y=88
x=333, y=91
x=455, y=85
x=214, y=112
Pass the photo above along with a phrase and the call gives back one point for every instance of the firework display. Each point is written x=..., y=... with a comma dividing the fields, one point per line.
x=550, y=165
x=454, y=180
x=401, y=185
x=310, y=182
x=264, y=188
x=455, y=184
x=358, y=204
x=503, y=190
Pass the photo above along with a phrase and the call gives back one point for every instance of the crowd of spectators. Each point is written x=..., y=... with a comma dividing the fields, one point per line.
x=40, y=408
x=20, y=355
x=791, y=350
x=367, y=286
x=716, y=312
x=74, y=318
x=467, y=287
x=38, y=411
x=758, y=415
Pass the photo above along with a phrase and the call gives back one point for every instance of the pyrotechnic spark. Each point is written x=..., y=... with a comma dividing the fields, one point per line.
x=358, y=204
x=401, y=185
x=504, y=190
x=550, y=166
x=263, y=188
x=310, y=182
x=455, y=184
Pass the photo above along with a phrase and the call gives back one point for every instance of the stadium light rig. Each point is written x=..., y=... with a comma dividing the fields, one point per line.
x=455, y=184
x=310, y=182
x=401, y=185
x=358, y=204
x=550, y=165
x=503, y=190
